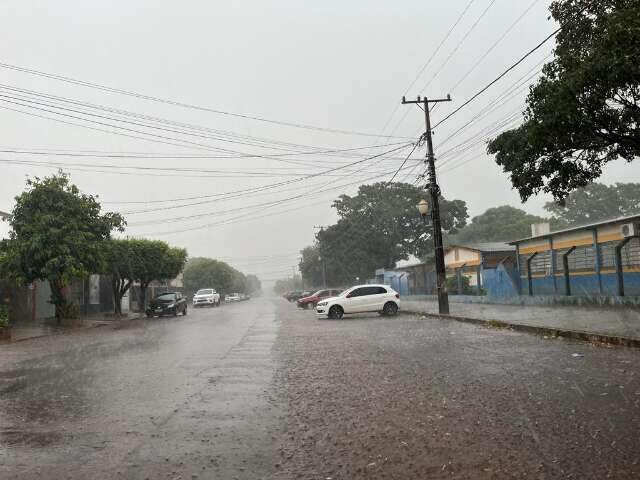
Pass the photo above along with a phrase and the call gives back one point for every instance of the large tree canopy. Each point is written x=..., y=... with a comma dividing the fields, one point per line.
x=203, y=272
x=597, y=202
x=500, y=224
x=584, y=111
x=57, y=234
x=377, y=227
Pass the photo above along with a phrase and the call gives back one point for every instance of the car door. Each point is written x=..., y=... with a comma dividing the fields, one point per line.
x=377, y=299
x=369, y=299
x=354, y=300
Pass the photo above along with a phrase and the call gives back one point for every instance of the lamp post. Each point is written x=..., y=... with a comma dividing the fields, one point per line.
x=443, y=298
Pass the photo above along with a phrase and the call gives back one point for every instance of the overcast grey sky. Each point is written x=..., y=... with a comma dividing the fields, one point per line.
x=334, y=64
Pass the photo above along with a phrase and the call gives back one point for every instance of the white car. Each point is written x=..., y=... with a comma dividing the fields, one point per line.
x=206, y=296
x=360, y=299
x=232, y=297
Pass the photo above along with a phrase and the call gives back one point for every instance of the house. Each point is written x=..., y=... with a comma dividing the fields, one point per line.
x=489, y=266
x=601, y=258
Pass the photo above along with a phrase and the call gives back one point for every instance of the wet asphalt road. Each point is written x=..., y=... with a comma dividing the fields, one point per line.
x=183, y=397
x=263, y=390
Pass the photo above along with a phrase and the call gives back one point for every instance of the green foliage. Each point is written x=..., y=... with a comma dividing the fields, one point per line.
x=253, y=284
x=500, y=224
x=209, y=273
x=583, y=112
x=155, y=260
x=57, y=234
x=452, y=285
x=311, y=266
x=287, y=285
x=377, y=227
x=597, y=202
x=142, y=260
x=4, y=316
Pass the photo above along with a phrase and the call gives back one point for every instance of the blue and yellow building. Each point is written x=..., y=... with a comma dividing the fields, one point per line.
x=600, y=259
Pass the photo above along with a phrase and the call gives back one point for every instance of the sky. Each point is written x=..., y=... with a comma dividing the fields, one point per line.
x=301, y=97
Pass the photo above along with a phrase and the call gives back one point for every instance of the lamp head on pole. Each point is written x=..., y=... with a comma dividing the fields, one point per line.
x=423, y=207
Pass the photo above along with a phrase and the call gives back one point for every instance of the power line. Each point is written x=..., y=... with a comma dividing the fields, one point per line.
x=495, y=44
x=402, y=164
x=177, y=103
x=428, y=62
x=499, y=77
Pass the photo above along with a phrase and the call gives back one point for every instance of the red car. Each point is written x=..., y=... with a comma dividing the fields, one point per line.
x=311, y=300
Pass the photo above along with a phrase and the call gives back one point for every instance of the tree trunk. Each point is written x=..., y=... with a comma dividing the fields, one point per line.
x=117, y=299
x=143, y=297
x=120, y=287
x=58, y=300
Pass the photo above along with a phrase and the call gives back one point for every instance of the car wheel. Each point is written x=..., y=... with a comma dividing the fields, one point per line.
x=185, y=311
x=306, y=306
x=390, y=309
x=336, y=312
x=149, y=315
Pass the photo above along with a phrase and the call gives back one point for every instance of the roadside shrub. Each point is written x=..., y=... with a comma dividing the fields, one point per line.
x=4, y=316
x=70, y=311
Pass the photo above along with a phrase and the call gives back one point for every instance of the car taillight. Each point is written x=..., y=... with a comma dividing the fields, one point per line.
x=397, y=295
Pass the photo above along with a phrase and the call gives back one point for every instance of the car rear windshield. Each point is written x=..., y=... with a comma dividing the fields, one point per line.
x=206, y=291
x=166, y=296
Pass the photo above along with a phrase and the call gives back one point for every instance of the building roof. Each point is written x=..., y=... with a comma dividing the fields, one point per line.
x=629, y=218
x=486, y=247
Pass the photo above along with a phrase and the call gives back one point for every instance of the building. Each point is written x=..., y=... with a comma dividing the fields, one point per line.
x=489, y=267
x=602, y=258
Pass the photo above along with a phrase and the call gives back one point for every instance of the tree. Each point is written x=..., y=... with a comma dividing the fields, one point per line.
x=596, y=202
x=208, y=273
x=583, y=112
x=379, y=226
x=155, y=260
x=119, y=254
x=311, y=266
x=57, y=234
x=500, y=224
x=254, y=285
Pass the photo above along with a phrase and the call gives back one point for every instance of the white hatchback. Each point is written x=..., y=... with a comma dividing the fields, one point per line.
x=360, y=299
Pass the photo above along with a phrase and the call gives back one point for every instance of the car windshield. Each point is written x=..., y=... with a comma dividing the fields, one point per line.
x=166, y=296
x=206, y=291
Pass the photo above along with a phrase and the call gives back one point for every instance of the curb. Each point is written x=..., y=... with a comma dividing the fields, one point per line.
x=63, y=331
x=550, y=331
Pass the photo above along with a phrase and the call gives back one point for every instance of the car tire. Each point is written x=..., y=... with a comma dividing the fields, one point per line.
x=390, y=309
x=185, y=311
x=306, y=306
x=336, y=312
x=149, y=315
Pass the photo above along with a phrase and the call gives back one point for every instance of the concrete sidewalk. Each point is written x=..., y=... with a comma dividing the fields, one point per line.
x=29, y=330
x=617, y=325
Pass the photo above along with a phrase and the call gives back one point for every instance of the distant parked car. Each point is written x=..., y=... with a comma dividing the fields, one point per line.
x=169, y=303
x=360, y=299
x=232, y=297
x=314, y=298
x=293, y=295
x=206, y=296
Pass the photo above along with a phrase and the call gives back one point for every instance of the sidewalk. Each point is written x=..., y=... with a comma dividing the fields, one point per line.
x=614, y=325
x=29, y=330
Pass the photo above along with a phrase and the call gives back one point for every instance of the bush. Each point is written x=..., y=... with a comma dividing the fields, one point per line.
x=452, y=285
x=4, y=316
x=70, y=311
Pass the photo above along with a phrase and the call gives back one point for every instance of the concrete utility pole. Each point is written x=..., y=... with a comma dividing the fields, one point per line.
x=434, y=191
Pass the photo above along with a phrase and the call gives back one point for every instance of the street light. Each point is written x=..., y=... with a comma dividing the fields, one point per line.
x=423, y=208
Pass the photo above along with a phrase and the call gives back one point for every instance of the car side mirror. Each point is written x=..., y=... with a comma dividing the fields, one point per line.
x=349, y=296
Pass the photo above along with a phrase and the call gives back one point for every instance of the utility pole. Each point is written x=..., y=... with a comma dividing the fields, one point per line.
x=434, y=191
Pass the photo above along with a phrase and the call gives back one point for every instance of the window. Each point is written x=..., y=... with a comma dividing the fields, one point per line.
x=167, y=296
x=358, y=292
x=381, y=290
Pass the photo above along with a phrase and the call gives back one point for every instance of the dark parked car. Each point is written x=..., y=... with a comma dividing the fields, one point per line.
x=169, y=303
x=295, y=295
x=312, y=300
